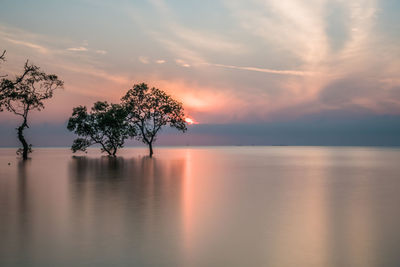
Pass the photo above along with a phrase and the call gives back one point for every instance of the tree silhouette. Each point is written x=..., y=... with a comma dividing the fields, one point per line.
x=151, y=109
x=106, y=125
x=25, y=93
x=2, y=59
x=3, y=56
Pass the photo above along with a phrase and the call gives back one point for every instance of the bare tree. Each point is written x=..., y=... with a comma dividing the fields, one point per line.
x=25, y=93
x=150, y=110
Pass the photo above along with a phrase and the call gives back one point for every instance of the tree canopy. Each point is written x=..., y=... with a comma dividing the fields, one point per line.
x=151, y=109
x=106, y=124
x=25, y=93
x=142, y=114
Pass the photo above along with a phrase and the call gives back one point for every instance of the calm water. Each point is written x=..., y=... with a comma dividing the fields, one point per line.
x=227, y=206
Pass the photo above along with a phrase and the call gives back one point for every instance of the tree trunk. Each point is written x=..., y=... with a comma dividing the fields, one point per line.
x=151, y=149
x=105, y=149
x=21, y=138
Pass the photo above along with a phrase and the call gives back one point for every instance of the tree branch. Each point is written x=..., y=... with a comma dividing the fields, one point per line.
x=3, y=56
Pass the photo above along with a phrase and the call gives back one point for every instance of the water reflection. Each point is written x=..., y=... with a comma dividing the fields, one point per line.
x=202, y=207
x=136, y=200
x=23, y=201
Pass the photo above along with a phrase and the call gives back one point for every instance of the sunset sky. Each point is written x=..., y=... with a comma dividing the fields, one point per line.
x=249, y=72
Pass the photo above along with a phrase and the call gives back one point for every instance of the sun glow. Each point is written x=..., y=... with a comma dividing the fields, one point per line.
x=190, y=121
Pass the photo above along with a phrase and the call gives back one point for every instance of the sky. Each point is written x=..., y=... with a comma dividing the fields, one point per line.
x=300, y=72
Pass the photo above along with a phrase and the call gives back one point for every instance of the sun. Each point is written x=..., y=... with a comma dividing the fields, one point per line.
x=189, y=121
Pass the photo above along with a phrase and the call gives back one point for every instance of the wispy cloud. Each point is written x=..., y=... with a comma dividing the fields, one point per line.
x=101, y=52
x=205, y=41
x=182, y=63
x=188, y=43
x=77, y=49
x=180, y=50
x=37, y=47
x=293, y=26
x=281, y=72
x=144, y=60
x=95, y=72
x=267, y=57
x=42, y=43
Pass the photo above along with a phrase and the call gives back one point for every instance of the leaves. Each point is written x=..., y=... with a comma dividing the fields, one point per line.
x=25, y=93
x=80, y=144
x=151, y=109
x=106, y=124
x=28, y=91
x=142, y=114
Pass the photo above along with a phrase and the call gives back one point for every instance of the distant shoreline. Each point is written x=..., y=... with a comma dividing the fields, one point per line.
x=216, y=146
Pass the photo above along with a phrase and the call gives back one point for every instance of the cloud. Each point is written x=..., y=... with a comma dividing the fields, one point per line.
x=263, y=58
x=86, y=49
x=281, y=72
x=182, y=63
x=180, y=50
x=37, y=47
x=144, y=60
x=186, y=42
x=334, y=44
x=360, y=92
x=205, y=41
x=77, y=49
x=101, y=52
x=95, y=72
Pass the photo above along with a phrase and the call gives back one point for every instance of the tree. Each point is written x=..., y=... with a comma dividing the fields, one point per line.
x=2, y=59
x=25, y=93
x=3, y=56
x=106, y=125
x=151, y=109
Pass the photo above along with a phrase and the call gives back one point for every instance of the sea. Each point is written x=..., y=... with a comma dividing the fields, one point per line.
x=273, y=206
